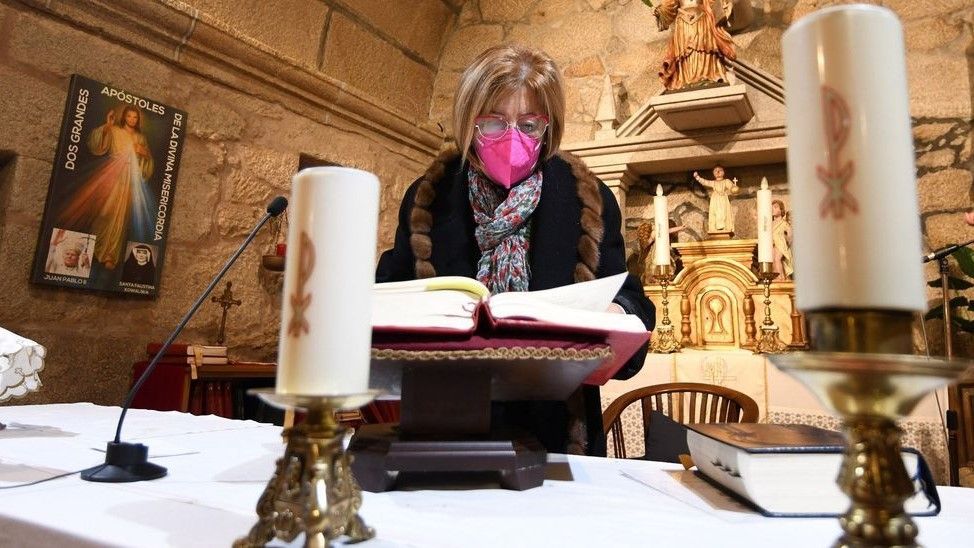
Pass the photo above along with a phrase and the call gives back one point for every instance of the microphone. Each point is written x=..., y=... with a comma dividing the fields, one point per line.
x=126, y=462
x=944, y=251
x=276, y=207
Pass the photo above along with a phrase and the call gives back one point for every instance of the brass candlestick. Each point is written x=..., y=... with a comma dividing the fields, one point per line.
x=312, y=490
x=664, y=340
x=768, y=342
x=863, y=370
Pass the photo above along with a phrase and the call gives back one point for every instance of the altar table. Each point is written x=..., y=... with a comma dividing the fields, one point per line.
x=219, y=467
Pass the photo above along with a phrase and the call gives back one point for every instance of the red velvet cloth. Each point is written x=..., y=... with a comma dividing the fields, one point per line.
x=164, y=389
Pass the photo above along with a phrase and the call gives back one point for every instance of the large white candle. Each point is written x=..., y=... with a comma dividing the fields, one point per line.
x=764, y=222
x=850, y=161
x=661, y=221
x=326, y=329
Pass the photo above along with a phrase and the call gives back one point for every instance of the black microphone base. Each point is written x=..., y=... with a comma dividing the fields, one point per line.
x=124, y=462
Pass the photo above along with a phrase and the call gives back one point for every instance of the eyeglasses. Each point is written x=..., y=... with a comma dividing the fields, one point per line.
x=495, y=127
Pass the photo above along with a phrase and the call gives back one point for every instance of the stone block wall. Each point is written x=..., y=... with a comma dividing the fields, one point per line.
x=262, y=83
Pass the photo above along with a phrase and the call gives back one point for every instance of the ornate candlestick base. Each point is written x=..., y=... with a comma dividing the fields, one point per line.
x=312, y=490
x=768, y=342
x=870, y=389
x=664, y=341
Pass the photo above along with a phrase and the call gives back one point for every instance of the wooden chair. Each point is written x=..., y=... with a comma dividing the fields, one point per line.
x=684, y=402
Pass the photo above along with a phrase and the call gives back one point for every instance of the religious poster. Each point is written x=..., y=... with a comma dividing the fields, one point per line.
x=109, y=203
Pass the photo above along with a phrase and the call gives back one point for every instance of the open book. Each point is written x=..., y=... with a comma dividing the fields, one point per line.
x=789, y=470
x=451, y=303
x=458, y=307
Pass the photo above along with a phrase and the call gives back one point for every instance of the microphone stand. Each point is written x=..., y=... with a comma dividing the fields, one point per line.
x=127, y=462
x=953, y=398
x=941, y=255
x=945, y=295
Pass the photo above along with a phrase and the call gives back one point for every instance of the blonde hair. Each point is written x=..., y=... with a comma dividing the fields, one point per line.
x=497, y=72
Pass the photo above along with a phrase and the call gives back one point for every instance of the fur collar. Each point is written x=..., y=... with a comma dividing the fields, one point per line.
x=587, y=186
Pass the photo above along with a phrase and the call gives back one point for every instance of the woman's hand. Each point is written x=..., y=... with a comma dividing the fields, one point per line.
x=616, y=308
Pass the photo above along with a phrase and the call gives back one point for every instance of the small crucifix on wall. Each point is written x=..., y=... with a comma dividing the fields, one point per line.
x=226, y=301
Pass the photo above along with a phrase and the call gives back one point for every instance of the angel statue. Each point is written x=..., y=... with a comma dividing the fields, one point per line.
x=700, y=47
x=636, y=261
x=645, y=242
x=782, y=261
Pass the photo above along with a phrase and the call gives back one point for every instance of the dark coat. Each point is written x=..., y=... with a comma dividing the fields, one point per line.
x=553, y=256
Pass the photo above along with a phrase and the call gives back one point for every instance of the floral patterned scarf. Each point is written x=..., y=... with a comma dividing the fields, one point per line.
x=503, y=231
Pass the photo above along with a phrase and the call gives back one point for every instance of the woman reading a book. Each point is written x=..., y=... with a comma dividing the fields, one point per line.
x=506, y=207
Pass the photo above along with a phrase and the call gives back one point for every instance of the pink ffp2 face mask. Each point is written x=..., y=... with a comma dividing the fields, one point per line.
x=509, y=159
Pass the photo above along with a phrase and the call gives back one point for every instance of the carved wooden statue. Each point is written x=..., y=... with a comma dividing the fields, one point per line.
x=700, y=47
x=782, y=261
x=636, y=262
x=720, y=215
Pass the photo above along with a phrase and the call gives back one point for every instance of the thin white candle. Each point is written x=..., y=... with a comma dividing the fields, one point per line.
x=661, y=218
x=326, y=329
x=764, y=222
x=850, y=162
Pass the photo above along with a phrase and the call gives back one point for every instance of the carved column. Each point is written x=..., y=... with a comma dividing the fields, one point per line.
x=685, y=320
x=619, y=178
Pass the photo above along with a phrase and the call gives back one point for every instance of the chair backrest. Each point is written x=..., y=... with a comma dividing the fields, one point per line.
x=684, y=402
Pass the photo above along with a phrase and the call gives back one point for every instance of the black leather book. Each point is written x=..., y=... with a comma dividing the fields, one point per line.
x=789, y=470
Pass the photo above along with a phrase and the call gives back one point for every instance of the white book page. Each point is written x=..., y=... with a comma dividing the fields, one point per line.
x=594, y=295
x=458, y=283
x=561, y=315
x=437, y=309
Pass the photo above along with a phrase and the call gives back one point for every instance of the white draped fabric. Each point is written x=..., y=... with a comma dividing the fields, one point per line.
x=20, y=362
x=219, y=467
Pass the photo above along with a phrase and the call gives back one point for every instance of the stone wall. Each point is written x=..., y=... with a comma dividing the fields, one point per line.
x=344, y=82
x=619, y=38
x=362, y=83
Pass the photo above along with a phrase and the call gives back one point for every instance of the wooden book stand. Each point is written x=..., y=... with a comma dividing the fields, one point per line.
x=445, y=424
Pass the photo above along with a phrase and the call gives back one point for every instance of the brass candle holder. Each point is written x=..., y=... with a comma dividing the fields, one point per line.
x=862, y=368
x=312, y=490
x=664, y=341
x=768, y=342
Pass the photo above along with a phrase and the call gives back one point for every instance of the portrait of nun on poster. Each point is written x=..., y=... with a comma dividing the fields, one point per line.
x=507, y=207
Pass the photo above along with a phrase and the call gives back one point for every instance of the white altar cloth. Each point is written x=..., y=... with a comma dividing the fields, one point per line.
x=219, y=467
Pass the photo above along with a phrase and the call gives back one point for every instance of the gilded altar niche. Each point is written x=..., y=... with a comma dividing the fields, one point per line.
x=716, y=301
x=717, y=318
